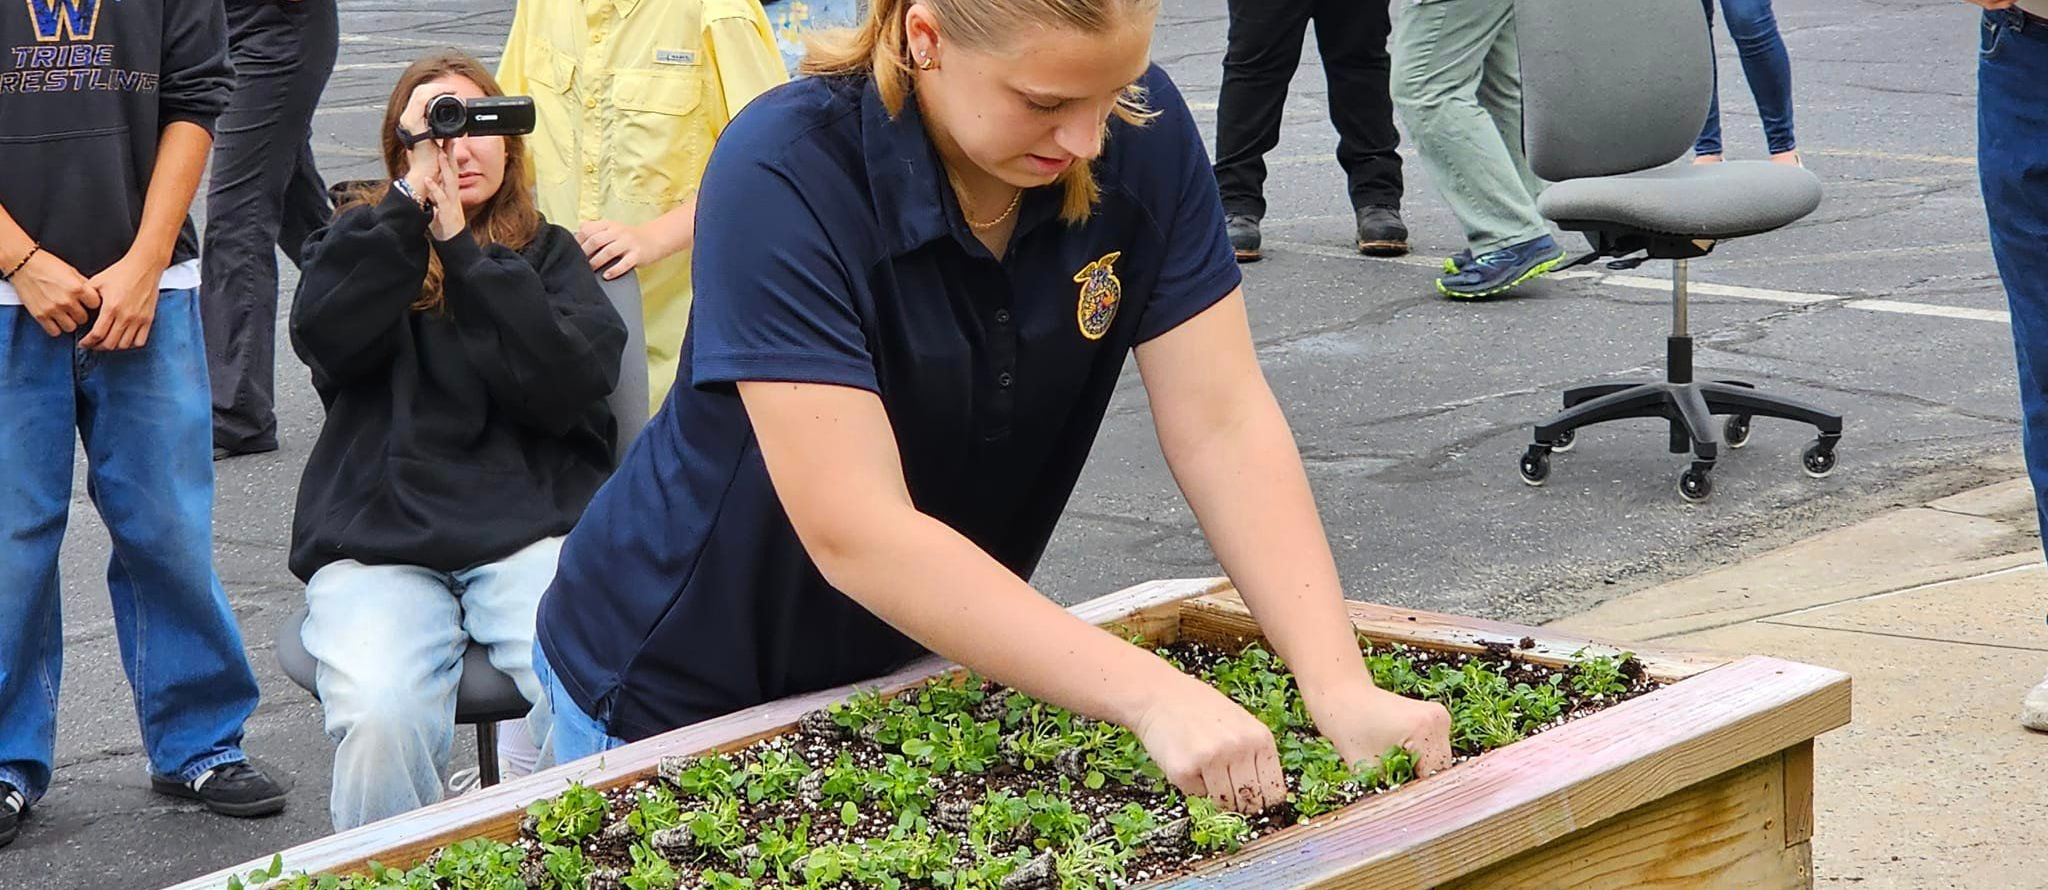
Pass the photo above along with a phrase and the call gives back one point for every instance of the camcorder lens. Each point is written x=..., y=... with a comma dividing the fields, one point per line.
x=446, y=117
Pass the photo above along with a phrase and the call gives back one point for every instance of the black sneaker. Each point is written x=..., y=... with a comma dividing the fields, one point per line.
x=1244, y=236
x=12, y=807
x=231, y=789
x=223, y=452
x=1381, y=232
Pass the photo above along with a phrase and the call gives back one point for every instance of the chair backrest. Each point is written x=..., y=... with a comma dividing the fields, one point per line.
x=1611, y=86
x=628, y=400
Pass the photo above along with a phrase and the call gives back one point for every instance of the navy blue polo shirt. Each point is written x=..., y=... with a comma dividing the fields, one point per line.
x=831, y=250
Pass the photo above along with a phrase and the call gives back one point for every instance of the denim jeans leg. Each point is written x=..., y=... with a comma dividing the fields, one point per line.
x=2012, y=161
x=1766, y=65
x=38, y=398
x=389, y=644
x=572, y=735
x=499, y=601
x=1709, y=141
x=145, y=418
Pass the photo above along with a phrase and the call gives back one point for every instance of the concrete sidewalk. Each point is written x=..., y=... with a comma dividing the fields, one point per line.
x=1937, y=613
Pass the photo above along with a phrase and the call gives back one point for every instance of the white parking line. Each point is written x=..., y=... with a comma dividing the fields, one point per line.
x=1707, y=288
x=1642, y=282
x=1995, y=315
x=389, y=40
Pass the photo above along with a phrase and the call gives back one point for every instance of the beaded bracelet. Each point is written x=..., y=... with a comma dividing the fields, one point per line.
x=33, y=249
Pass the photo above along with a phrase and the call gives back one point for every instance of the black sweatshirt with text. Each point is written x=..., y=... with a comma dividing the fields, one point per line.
x=86, y=88
x=453, y=438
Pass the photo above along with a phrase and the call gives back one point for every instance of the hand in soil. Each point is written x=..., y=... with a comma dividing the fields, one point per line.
x=1365, y=722
x=1208, y=746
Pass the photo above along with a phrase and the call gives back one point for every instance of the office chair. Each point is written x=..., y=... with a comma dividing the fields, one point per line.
x=1613, y=94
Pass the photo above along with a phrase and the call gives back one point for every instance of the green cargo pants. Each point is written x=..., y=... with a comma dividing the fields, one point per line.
x=1457, y=83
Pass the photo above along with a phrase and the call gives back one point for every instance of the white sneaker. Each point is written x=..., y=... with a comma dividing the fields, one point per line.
x=517, y=753
x=464, y=781
x=2034, y=712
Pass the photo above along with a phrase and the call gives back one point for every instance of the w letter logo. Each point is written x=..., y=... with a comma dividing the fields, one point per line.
x=57, y=20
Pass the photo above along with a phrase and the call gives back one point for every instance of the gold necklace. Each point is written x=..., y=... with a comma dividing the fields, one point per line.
x=1015, y=200
x=961, y=194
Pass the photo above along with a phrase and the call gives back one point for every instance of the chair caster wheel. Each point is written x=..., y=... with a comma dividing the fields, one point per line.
x=1564, y=441
x=1818, y=459
x=1736, y=431
x=1535, y=465
x=1695, y=485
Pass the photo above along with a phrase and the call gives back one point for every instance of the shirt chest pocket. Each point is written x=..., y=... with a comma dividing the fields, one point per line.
x=661, y=136
x=557, y=112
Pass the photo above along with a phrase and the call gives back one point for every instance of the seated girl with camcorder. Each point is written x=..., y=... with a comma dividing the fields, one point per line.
x=463, y=351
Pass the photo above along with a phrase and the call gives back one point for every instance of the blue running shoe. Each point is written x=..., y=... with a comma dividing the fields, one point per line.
x=1497, y=272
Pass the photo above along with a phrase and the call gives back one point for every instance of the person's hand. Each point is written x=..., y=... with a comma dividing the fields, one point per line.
x=1210, y=747
x=128, y=291
x=1365, y=722
x=1994, y=4
x=443, y=191
x=425, y=155
x=604, y=241
x=55, y=295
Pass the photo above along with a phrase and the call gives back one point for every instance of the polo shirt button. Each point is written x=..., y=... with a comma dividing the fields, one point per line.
x=1004, y=379
x=1002, y=316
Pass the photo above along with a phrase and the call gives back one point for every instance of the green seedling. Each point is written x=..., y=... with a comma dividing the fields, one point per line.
x=573, y=816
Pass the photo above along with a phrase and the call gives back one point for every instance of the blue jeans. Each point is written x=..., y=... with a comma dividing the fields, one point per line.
x=571, y=734
x=1766, y=65
x=389, y=640
x=146, y=418
x=2012, y=161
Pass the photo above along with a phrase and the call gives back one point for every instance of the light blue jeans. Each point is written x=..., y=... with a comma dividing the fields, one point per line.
x=145, y=416
x=389, y=639
x=571, y=734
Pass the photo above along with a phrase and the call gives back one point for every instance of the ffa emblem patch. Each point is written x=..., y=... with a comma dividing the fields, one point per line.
x=1100, y=294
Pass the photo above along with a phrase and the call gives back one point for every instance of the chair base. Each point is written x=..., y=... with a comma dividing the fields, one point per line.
x=1691, y=408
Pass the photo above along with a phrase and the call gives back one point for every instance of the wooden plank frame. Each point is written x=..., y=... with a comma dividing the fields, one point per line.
x=1707, y=782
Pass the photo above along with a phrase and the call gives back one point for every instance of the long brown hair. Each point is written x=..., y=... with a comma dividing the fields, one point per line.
x=508, y=218
x=879, y=48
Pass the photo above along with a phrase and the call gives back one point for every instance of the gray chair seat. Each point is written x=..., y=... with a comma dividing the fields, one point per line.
x=485, y=695
x=1726, y=200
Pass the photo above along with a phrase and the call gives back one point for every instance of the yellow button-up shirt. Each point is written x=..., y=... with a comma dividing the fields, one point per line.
x=628, y=96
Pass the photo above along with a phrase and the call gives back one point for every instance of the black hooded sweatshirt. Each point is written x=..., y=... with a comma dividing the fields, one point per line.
x=86, y=88
x=453, y=439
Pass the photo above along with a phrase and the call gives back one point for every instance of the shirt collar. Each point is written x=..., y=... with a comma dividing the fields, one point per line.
x=903, y=173
x=914, y=205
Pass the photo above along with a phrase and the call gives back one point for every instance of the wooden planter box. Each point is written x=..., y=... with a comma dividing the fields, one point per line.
x=1705, y=783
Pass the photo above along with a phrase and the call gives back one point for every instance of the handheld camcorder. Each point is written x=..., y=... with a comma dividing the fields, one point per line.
x=451, y=116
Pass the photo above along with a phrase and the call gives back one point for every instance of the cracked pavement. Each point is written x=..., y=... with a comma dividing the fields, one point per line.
x=1410, y=410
